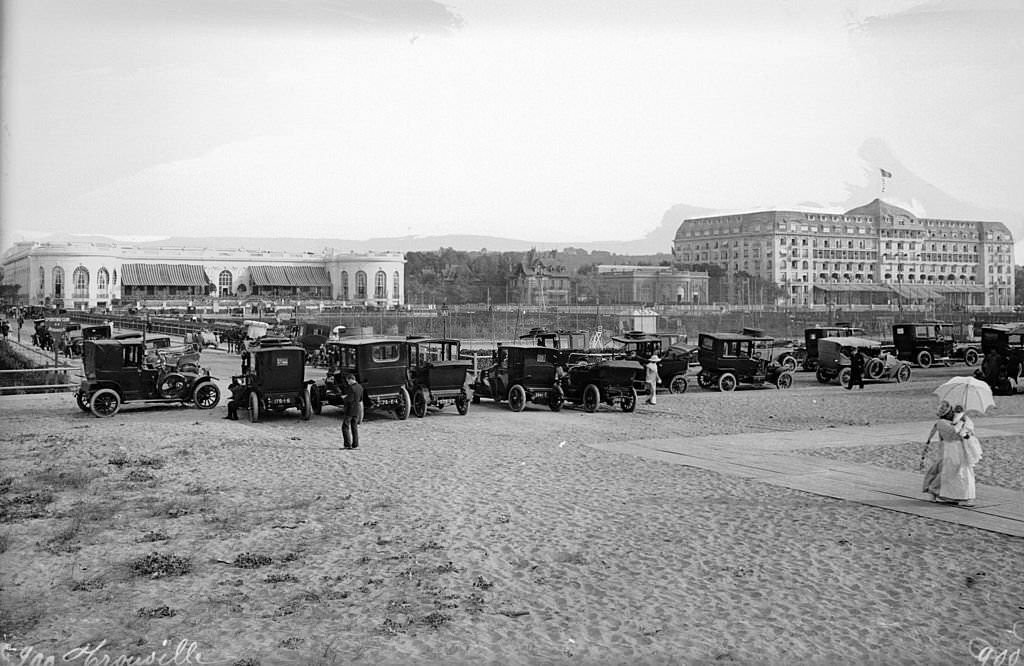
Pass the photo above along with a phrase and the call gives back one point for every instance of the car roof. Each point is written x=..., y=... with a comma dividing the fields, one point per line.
x=523, y=345
x=852, y=341
x=359, y=342
x=1013, y=328
x=733, y=336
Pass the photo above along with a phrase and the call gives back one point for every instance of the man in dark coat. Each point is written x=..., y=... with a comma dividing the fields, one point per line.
x=353, y=402
x=239, y=397
x=856, y=370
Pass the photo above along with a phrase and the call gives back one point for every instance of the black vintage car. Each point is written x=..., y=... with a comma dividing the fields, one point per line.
x=812, y=335
x=565, y=341
x=380, y=365
x=593, y=380
x=437, y=375
x=1003, y=366
x=674, y=363
x=730, y=359
x=121, y=371
x=521, y=373
x=274, y=377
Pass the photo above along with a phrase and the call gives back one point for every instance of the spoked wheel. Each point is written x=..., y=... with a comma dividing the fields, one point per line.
x=822, y=377
x=517, y=398
x=82, y=400
x=903, y=374
x=419, y=403
x=727, y=382
x=874, y=368
x=556, y=399
x=206, y=395
x=678, y=383
x=844, y=377
x=924, y=359
x=315, y=402
x=105, y=402
x=591, y=398
x=462, y=404
x=971, y=357
x=785, y=380
x=628, y=403
x=788, y=362
x=404, y=404
x=254, y=407
x=307, y=403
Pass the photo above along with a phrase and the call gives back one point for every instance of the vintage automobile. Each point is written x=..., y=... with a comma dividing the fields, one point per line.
x=596, y=379
x=812, y=335
x=730, y=359
x=121, y=371
x=437, y=375
x=76, y=338
x=565, y=341
x=923, y=343
x=380, y=365
x=674, y=363
x=521, y=373
x=203, y=338
x=274, y=377
x=1003, y=366
x=965, y=348
x=880, y=364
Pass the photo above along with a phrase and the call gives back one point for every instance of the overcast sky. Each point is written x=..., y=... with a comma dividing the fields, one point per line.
x=542, y=119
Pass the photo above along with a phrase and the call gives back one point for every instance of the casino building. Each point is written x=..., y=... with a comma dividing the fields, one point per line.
x=875, y=254
x=82, y=275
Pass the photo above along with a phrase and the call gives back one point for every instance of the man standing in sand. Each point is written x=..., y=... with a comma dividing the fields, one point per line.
x=353, y=402
x=856, y=370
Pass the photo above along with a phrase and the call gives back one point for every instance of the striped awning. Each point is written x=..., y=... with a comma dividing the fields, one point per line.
x=916, y=291
x=958, y=288
x=289, y=276
x=860, y=287
x=163, y=275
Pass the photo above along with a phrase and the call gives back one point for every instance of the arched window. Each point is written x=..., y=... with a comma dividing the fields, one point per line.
x=42, y=280
x=380, y=285
x=396, y=287
x=113, y=279
x=360, y=285
x=58, y=282
x=102, y=280
x=343, y=287
x=80, y=278
x=224, y=282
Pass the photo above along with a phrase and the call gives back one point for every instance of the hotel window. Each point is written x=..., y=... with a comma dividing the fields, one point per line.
x=81, y=282
x=396, y=286
x=343, y=287
x=42, y=278
x=360, y=285
x=380, y=285
x=224, y=282
x=58, y=282
x=102, y=280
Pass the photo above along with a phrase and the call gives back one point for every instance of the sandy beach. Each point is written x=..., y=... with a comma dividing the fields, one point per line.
x=491, y=538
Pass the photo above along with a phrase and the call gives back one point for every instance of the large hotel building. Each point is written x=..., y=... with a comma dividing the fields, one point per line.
x=875, y=254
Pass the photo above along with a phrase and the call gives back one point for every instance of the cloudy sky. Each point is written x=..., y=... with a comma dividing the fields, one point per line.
x=543, y=119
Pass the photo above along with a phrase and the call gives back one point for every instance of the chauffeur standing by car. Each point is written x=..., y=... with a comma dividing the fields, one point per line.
x=353, y=402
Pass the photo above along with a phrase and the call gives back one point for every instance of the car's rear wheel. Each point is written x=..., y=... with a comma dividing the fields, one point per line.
x=462, y=404
x=678, y=383
x=254, y=407
x=419, y=403
x=105, y=402
x=82, y=400
x=316, y=403
x=591, y=398
x=903, y=374
x=785, y=380
x=404, y=404
x=874, y=369
x=307, y=403
x=556, y=399
x=206, y=395
x=788, y=362
x=822, y=377
x=517, y=398
x=971, y=357
x=844, y=377
x=727, y=382
x=924, y=358
x=628, y=403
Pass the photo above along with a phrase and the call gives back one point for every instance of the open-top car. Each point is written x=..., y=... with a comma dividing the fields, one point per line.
x=596, y=380
x=730, y=359
x=880, y=364
x=437, y=375
x=121, y=371
x=380, y=365
x=674, y=363
x=812, y=335
x=521, y=373
x=274, y=377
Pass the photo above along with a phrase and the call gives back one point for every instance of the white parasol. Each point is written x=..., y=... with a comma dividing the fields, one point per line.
x=970, y=393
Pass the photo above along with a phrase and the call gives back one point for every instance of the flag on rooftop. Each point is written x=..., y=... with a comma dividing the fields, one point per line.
x=886, y=174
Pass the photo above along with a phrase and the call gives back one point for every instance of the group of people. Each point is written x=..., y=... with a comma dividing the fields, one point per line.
x=949, y=478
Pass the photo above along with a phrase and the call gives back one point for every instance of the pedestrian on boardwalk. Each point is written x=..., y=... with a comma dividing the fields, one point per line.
x=652, y=379
x=353, y=403
x=950, y=477
x=856, y=369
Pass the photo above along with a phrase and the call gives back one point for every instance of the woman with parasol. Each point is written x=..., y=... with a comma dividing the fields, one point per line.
x=950, y=478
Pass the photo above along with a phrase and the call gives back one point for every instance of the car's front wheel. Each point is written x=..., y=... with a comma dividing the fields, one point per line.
x=315, y=402
x=844, y=377
x=788, y=362
x=591, y=398
x=556, y=399
x=971, y=357
x=419, y=403
x=821, y=376
x=628, y=403
x=785, y=380
x=254, y=407
x=404, y=404
x=924, y=358
x=462, y=404
x=82, y=400
x=874, y=369
x=727, y=382
x=517, y=398
x=903, y=374
x=206, y=395
x=678, y=383
x=105, y=402
x=307, y=403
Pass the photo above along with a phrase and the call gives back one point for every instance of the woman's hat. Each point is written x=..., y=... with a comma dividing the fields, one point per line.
x=654, y=358
x=944, y=408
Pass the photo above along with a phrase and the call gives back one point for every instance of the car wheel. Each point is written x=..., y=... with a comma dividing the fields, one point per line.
x=844, y=377
x=254, y=407
x=591, y=398
x=788, y=362
x=628, y=403
x=307, y=403
x=419, y=403
x=903, y=374
x=82, y=400
x=874, y=369
x=404, y=404
x=785, y=380
x=821, y=377
x=924, y=359
x=727, y=382
x=517, y=398
x=462, y=404
x=678, y=383
x=105, y=402
x=206, y=395
x=316, y=403
x=556, y=399
x=971, y=357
